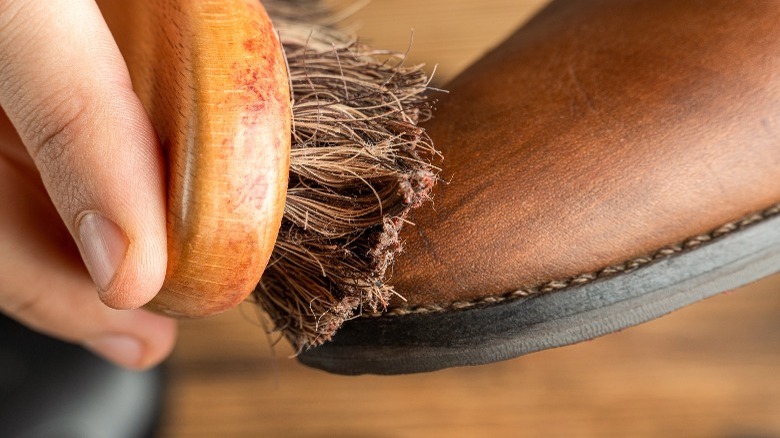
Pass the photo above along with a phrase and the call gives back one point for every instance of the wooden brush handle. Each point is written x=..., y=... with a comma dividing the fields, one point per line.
x=212, y=76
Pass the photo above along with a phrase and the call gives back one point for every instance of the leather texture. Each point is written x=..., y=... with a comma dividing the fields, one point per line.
x=600, y=131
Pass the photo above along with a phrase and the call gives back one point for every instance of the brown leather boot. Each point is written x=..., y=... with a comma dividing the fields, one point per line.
x=610, y=162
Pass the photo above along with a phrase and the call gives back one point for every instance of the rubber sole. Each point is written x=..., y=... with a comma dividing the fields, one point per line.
x=427, y=342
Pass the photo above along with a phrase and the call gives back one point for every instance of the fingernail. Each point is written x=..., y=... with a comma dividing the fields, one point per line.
x=104, y=246
x=120, y=349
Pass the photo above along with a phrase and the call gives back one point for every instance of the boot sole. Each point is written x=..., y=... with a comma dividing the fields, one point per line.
x=427, y=342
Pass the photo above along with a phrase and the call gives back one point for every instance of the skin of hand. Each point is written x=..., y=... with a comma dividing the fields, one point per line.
x=82, y=186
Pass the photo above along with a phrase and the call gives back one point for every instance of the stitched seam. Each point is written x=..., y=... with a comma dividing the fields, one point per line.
x=621, y=268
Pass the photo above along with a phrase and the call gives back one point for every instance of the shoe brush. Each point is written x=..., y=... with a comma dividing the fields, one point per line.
x=294, y=156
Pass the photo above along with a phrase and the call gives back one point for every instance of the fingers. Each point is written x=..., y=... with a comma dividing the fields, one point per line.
x=45, y=286
x=135, y=339
x=65, y=88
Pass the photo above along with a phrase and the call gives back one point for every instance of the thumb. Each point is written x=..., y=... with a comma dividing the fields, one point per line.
x=66, y=89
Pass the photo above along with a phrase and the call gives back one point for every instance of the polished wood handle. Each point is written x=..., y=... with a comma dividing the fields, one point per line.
x=212, y=76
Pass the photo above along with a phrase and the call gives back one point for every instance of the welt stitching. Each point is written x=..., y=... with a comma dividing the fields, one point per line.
x=621, y=268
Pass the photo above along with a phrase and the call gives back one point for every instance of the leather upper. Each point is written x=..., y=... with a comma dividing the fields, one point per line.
x=600, y=131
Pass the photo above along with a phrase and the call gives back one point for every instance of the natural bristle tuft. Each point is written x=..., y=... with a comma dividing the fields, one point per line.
x=359, y=164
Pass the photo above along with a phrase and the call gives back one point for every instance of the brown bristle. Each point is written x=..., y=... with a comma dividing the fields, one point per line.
x=359, y=163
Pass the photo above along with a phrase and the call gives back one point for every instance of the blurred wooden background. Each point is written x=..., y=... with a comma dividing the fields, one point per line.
x=708, y=370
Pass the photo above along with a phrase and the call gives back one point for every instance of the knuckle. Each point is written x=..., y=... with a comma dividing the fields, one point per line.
x=21, y=306
x=33, y=310
x=53, y=134
x=52, y=129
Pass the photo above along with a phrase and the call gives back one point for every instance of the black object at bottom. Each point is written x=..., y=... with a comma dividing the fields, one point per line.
x=50, y=388
x=427, y=342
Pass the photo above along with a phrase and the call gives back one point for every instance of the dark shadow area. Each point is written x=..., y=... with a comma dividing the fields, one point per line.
x=50, y=388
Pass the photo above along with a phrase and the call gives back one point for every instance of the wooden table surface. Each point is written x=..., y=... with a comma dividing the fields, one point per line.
x=712, y=369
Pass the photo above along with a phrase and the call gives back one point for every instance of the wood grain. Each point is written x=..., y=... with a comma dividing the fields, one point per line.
x=212, y=76
x=707, y=370
x=201, y=68
x=448, y=35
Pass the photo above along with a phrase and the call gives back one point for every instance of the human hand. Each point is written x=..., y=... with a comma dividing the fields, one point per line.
x=79, y=162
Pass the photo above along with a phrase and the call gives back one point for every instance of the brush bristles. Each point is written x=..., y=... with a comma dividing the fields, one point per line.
x=359, y=163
